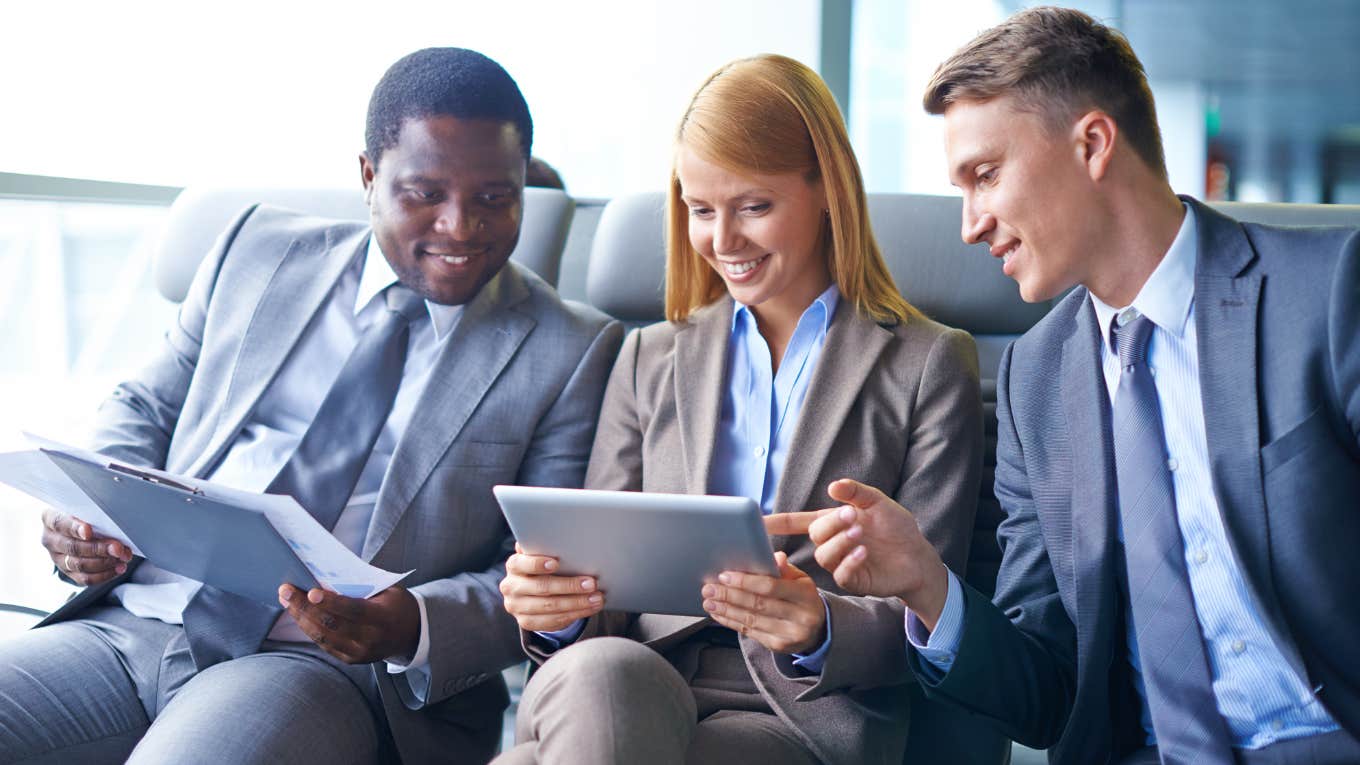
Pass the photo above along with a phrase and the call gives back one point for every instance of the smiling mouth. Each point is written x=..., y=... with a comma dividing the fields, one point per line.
x=743, y=267
x=1006, y=254
x=452, y=259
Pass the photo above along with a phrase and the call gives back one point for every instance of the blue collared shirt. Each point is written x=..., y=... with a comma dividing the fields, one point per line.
x=1258, y=694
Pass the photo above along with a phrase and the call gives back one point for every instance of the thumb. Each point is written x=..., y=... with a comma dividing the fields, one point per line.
x=786, y=568
x=852, y=492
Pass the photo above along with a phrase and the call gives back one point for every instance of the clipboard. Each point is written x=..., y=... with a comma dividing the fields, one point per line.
x=180, y=529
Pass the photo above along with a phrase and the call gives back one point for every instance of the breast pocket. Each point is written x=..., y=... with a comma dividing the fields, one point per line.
x=483, y=454
x=1313, y=431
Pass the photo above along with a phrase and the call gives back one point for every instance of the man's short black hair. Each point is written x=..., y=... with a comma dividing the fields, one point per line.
x=437, y=82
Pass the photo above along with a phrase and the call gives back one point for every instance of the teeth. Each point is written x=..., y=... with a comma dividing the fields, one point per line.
x=1006, y=257
x=737, y=269
x=455, y=260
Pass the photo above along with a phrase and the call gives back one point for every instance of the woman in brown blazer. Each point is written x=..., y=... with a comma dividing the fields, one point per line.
x=789, y=360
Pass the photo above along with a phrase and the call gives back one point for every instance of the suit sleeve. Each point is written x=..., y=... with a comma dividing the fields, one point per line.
x=1016, y=662
x=940, y=482
x=136, y=422
x=1344, y=336
x=615, y=464
x=556, y=456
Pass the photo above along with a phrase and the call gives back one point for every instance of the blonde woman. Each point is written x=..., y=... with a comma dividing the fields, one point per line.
x=789, y=360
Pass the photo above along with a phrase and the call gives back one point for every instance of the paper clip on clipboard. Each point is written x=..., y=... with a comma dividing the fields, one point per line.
x=153, y=478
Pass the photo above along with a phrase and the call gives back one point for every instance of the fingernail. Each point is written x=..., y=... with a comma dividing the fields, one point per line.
x=283, y=600
x=84, y=531
x=846, y=514
x=855, y=531
x=113, y=549
x=725, y=578
x=587, y=584
x=712, y=606
x=708, y=591
x=315, y=596
x=595, y=599
x=859, y=552
x=285, y=595
x=120, y=568
x=549, y=565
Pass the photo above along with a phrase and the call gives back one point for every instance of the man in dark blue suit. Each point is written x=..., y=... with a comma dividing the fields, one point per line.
x=1178, y=440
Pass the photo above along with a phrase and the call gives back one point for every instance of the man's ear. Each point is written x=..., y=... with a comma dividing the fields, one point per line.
x=1095, y=134
x=367, y=169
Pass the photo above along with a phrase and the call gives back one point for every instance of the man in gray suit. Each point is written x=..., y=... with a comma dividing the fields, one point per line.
x=1179, y=440
x=387, y=377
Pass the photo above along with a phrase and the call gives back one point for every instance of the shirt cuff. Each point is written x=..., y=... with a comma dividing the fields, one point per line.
x=941, y=646
x=421, y=660
x=564, y=636
x=815, y=661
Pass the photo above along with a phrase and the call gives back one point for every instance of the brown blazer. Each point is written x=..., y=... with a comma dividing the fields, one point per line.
x=897, y=407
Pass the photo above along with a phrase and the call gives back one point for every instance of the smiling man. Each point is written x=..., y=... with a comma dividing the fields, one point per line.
x=1178, y=440
x=386, y=376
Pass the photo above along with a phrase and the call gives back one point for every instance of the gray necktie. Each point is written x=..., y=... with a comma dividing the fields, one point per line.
x=1175, y=669
x=320, y=475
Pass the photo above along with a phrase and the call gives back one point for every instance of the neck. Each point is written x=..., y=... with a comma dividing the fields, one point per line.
x=1141, y=227
x=778, y=317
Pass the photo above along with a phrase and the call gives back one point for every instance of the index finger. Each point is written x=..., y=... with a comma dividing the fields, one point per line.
x=785, y=524
x=67, y=525
x=530, y=565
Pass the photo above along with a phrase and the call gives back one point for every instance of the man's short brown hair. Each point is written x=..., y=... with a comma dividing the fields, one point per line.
x=1057, y=63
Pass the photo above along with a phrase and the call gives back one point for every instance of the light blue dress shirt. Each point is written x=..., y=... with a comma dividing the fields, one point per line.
x=759, y=416
x=1258, y=694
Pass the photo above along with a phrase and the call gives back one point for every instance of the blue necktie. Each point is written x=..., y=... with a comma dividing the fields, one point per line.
x=1171, y=651
x=321, y=474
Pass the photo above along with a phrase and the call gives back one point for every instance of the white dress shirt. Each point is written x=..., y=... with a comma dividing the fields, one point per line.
x=274, y=429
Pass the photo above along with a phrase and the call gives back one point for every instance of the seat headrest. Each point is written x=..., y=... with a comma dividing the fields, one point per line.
x=919, y=235
x=199, y=214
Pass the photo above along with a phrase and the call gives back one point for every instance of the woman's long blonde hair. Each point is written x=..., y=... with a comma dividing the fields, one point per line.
x=771, y=114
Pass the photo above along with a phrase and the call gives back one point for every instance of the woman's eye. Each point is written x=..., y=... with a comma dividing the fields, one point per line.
x=756, y=209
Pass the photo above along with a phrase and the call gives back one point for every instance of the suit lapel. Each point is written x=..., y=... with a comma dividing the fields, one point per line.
x=1227, y=296
x=701, y=355
x=486, y=338
x=1086, y=404
x=853, y=346
x=301, y=282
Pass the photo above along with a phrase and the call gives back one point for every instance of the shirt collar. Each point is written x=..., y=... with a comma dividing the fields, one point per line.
x=378, y=276
x=1166, y=296
x=824, y=307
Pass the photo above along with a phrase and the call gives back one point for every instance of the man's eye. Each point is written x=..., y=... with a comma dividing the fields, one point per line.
x=423, y=195
x=987, y=176
x=495, y=198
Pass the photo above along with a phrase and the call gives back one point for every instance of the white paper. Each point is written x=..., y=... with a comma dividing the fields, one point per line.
x=335, y=566
x=33, y=473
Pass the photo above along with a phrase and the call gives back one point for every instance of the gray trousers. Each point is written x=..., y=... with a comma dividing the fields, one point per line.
x=613, y=700
x=111, y=687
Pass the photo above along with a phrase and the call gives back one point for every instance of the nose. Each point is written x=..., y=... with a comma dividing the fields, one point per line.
x=727, y=237
x=457, y=221
x=977, y=223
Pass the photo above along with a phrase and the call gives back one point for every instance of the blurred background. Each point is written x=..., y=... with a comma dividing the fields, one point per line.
x=111, y=108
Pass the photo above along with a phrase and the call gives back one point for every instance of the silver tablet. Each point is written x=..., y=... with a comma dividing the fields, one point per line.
x=650, y=553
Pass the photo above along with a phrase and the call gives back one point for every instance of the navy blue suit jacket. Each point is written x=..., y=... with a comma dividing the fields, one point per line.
x=1278, y=317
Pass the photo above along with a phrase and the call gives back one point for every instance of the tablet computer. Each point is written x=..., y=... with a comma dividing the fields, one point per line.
x=650, y=553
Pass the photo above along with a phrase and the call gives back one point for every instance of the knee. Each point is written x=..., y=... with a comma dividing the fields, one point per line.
x=604, y=662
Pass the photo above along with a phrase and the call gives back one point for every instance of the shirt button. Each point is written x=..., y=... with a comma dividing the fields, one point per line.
x=1277, y=725
x=1238, y=646
x=1201, y=556
x=1152, y=371
x=760, y=452
x=1172, y=464
x=1127, y=315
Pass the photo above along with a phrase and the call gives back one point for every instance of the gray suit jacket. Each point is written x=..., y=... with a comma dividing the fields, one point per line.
x=512, y=399
x=897, y=407
x=1278, y=318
